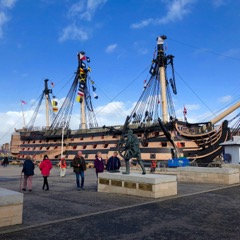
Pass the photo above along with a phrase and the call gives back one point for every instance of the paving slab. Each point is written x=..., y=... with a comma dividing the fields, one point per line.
x=198, y=211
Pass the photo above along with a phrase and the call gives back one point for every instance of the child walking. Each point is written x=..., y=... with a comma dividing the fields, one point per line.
x=63, y=166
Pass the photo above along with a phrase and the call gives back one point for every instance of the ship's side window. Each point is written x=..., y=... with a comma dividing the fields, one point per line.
x=164, y=144
x=182, y=144
x=84, y=146
x=81, y=138
x=95, y=145
x=102, y=137
x=74, y=147
x=105, y=145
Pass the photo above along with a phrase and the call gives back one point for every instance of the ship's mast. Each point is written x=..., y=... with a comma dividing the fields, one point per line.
x=83, y=114
x=46, y=93
x=82, y=85
x=161, y=57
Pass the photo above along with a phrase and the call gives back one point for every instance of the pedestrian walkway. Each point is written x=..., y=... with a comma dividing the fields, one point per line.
x=198, y=211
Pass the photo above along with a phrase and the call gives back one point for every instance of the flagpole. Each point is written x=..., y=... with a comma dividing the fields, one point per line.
x=24, y=123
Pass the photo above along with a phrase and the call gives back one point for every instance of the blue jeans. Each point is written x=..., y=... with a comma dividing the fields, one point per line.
x=81, y=173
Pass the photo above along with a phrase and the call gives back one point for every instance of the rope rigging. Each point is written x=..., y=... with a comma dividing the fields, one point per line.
x=80, y=90
x=45, y=94
x=148, y=107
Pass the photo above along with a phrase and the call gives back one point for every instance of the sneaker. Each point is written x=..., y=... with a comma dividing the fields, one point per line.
x=24, y=189
x=30, y=190
x=79, y=188
x=83, y=188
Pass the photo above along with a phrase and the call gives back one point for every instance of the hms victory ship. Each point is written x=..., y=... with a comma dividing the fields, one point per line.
x=162, y=136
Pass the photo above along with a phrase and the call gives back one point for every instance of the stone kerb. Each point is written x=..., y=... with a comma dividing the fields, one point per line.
x=208, y=175
x=150, y=185
x=11, y=207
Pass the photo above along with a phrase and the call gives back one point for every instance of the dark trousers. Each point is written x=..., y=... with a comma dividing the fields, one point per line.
x=78, y=175
x=45, y=182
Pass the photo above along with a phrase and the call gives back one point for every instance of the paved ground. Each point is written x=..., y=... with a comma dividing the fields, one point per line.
x=199, y=211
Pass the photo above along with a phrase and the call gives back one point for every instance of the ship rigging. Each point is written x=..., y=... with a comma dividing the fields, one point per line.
x=153, y=120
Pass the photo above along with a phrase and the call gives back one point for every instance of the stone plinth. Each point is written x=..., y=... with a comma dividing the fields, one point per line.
x=149, y=185
x=11, y=207
x=208, y=175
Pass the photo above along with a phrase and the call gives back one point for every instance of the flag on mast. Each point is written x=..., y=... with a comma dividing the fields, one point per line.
x=23, y=102
x=184, y=111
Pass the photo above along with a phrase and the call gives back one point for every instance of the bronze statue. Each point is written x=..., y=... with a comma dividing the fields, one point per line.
x=129, y=144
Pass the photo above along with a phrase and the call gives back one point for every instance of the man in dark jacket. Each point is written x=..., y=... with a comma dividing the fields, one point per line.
x=113, y=163
x=79, y=166
x=28, y=170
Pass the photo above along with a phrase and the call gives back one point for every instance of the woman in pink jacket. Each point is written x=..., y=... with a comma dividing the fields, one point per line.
x=45, y=168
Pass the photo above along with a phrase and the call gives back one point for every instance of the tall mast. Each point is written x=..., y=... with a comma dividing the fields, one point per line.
x=46, y=93
x=83, y=114
x=161, y=57
x=82, y=86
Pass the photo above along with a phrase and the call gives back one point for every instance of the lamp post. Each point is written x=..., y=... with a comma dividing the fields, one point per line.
x=63, y=128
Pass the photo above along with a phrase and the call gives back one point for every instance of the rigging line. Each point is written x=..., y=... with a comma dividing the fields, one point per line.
x=15, y=123
x=124, y=88
x=195, y=94
x=211, y=52
x=222, y=108
x=70, y=79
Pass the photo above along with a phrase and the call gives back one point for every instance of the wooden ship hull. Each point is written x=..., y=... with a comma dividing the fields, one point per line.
x=201, y=147
x=160, y=139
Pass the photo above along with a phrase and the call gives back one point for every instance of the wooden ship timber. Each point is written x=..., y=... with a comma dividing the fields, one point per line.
x=153, y=120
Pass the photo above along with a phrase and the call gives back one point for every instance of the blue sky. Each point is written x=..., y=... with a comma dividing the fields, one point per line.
x=40, y=39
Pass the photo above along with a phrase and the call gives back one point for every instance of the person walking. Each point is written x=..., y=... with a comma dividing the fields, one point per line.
x=153, y=166
x=28, y=171
x=63, y=167
x=45, y=168
x=99, y=163
x=113, y=163
x=5, y=161
x=79, y=166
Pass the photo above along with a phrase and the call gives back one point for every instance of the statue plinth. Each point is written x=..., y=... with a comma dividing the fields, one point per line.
x=149, y=185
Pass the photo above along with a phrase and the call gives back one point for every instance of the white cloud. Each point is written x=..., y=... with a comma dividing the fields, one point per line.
x=73, y=32
x=176, y=10
x=3, y=21
x=85, y=9
x=140, y=47
x=111, y=48
x=232, y=53
x=189, y=107
x=113, y=113
x=5, y=5
x=225, y=99
x=219, y=3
